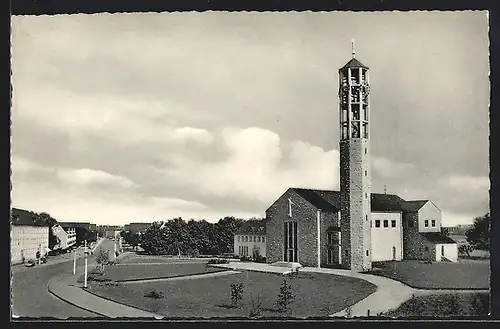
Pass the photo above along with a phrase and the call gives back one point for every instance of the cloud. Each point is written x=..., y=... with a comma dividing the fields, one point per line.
x=473, y=184
x=194, y=134
x=87, y=177
x=391, y=169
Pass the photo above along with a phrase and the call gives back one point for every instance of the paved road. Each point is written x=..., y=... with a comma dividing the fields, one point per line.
x=30, y=297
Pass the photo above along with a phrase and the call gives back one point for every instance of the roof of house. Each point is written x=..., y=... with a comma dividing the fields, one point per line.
x=415, y=205
x=437, y=237
x=24, y=217
x=329, y=201
x=354, y=63
x=249, y=228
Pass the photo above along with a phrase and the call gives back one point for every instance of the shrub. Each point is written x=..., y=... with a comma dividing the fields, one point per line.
x=154, y=294
x=256, y=310
x=218, y=261
x=259, y=259
x=285, y=297
x=465, y=249
x=245, y=258
x=102, y=259
x=236, y=294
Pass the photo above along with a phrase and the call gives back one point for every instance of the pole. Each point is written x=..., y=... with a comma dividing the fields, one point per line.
x=114, y=254
x=85, y=279
x=74, y=262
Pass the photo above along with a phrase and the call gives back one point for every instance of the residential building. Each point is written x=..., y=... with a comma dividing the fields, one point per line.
x=137, y=227
x=66, y=236
x=250, y=242
x=27, y=236
x=354, y=227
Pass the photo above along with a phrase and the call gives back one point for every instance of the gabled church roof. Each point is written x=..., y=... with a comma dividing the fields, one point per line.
x=354, y=63
x=437, y=237
x=329, y=201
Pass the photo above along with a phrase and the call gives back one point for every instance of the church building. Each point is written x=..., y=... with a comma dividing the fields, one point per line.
x=354, y=227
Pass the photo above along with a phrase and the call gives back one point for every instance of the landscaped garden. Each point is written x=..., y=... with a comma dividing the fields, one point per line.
x=444, y=305
x=260, y=294
x=466, y=274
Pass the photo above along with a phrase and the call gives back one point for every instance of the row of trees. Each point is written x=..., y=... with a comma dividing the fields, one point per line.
x=177, y=236
x=478, y=236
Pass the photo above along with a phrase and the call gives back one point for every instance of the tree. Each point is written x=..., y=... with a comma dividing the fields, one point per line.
x=152, y=241
x=102, y=259
x=465, y=249
x=479, y=234
x=285, y=297
x=47, y=220
x=130, y=238
x=224, y=233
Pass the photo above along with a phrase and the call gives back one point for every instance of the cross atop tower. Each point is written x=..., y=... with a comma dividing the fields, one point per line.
x=353, y=49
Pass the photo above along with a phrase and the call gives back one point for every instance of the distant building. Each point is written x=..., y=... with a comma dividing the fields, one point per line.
x=27, y=237
x=250, y=242
x=84, y=225
x=137, y=227
x=66, y=235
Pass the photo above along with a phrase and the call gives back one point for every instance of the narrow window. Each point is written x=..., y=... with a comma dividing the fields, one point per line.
x=366, y=217
x=366, y=173
x=367, y=253
x=386, y=223
x=393, y=223
x=433, y=223
x=263, y=239
x=377, y=223
x=366, y=195
x=442, y=250
x=347, y=253
x=426, y=223
x=258, y=239
x=239, y=238
x=365, y=150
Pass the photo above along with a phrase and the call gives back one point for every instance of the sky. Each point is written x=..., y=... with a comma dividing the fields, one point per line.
x=120, y=118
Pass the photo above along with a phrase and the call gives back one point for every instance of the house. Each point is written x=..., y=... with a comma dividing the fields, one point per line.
x=84, y=230
x=354, y=227
x=66, y=236
x=250, y=242
x=27, y=236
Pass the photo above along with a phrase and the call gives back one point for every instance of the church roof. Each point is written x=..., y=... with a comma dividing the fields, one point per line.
x=437, y=237
x=330, y=200
x=354, y=63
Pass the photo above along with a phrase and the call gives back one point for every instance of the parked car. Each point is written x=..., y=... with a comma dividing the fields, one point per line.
x=30, y=263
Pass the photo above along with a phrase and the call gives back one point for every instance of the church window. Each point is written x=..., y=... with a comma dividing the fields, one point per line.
x=386, y=223
x=263, y=239
x=426, y=223
x=433, y=223
x=377, y=223
x=393, y=223
x=366, y=173
x=366, y=217
x=239, y=238
x=367, y=253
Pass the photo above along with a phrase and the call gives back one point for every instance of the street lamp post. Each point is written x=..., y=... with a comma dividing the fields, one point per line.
x=74, y=261
x=85, y=276
x=114, y=254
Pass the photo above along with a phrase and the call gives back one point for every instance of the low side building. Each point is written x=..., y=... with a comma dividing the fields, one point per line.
x=27, y=237
x=250, y=242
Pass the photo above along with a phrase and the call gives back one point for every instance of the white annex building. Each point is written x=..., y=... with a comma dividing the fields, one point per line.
x=354, y=227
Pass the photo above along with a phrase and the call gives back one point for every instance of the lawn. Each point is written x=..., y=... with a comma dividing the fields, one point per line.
x=136, y=259
x=316, y=294
x=444, y=305
x=466, y=274
x=127, y=272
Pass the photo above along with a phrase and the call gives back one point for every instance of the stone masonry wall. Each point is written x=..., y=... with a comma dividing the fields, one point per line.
x=355, y=204
x=305, y=215
x=415, y=246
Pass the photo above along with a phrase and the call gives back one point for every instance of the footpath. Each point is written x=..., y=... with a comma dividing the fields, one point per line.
x=66, y=287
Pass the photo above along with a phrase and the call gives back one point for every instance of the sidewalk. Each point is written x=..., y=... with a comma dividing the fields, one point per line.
x=66, y=287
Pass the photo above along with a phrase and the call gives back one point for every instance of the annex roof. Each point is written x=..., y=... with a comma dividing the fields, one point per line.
x=437, y=237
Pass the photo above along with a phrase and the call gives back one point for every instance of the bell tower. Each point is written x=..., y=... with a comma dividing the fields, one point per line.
x=355, y=175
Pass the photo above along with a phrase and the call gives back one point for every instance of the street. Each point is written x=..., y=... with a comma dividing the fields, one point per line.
x=30, y=296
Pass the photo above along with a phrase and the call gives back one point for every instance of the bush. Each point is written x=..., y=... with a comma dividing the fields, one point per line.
x=465, y=249
x=218, y=261
x=245, y=259
x=256, y=310
x=259, y=259
x=236, y=294
x=285, y=297
x=154, y=294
